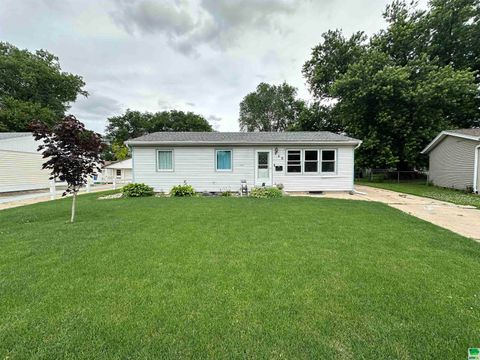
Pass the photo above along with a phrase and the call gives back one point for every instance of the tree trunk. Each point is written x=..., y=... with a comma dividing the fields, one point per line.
x=72, y=218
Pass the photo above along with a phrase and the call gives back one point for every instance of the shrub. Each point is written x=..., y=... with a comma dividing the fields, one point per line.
x=182, y=190
x=226, y=193
x=137, y=190
x=266, y=192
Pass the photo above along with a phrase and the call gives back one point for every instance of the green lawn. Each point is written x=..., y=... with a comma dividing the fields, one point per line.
x=234, y=278
x=430, y=191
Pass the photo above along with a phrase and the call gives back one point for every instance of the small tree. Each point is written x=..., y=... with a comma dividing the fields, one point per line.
x=73, y=153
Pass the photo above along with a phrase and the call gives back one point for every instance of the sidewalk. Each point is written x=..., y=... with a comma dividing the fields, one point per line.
x=21, y=199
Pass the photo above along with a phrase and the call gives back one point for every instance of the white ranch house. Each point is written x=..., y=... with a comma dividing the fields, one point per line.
x=220, y=161
x=119, y=172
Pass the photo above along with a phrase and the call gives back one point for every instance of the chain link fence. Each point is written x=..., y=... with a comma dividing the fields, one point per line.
x=391, y=176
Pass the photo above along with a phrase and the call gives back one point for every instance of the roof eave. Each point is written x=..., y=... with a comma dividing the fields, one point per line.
x=444, y=134
x=233, y=143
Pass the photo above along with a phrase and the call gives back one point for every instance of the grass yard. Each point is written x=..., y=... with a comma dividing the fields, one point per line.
x=429, y=191
x=234, y=278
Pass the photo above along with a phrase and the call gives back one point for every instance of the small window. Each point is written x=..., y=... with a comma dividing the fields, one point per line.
x=119, y=173
x=224, y=160
x=311, y=161
x=165, y=160
x=294, y=161
x=328, y=161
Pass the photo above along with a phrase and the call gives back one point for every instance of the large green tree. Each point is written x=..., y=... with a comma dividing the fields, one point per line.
x=135, y=123
x=270, y=108
x=397, y=90
x=33, y=86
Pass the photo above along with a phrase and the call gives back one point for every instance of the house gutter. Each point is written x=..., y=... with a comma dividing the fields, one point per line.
x=475, y=170
x=226, y=143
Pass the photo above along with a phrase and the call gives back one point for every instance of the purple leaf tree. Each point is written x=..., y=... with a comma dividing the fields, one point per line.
x=72, y=153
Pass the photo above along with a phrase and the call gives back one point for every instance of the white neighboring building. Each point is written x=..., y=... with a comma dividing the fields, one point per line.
x=21, y=163
x=118, y=172
x=220, y=161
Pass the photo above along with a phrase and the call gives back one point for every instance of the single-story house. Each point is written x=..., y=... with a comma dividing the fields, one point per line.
x=454, y=159
x=119, y=172
x=21, y=163
x=220, y=161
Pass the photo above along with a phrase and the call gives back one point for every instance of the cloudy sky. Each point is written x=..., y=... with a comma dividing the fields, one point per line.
x=192, y=55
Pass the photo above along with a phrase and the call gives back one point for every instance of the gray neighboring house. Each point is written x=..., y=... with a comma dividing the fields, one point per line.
x=220, y=161
x=455, y=159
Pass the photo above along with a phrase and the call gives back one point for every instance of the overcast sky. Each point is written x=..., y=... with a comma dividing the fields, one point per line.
x=202, y=56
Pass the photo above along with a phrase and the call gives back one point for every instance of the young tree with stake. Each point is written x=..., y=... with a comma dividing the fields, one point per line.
x=73, y=153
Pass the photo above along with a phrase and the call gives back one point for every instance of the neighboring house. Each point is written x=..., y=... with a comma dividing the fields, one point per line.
x=119, y=171
x=454, y=159
x=21, y=163
x=219, y=161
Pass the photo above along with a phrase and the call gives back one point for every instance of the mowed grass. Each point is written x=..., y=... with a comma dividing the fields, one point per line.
x=233, y=278
x=434, y=192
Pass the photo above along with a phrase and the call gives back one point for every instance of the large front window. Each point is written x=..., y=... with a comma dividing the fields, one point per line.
x=224, y=160
x=165, y=160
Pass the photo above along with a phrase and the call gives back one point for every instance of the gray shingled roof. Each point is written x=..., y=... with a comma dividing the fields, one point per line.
x=242, y=137
x=470, y=132
x=11, y=135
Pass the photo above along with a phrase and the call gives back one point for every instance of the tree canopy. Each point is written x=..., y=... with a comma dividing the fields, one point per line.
x=135, y=123
x=33, y=86
x=72, y=153
x=398, y=89
x=270, y=108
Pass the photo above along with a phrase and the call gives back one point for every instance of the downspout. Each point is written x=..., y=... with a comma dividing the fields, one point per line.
x=475, y=170
x=353, y=190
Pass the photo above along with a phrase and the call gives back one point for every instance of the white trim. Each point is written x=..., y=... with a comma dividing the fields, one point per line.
x=300, y=161
x=157, y=164
x=475, y=169
x=444, y=134
x=270, y=167
x=334, y=172
x=231, y=160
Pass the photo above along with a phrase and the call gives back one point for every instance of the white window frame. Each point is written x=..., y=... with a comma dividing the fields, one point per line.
x=334, y=172
x=231, y=160
x=173, y=160
x=318, y=161
x=301, y=162
x=117, y=176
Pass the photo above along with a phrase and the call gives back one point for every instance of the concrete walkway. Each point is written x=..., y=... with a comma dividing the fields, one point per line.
x=464, y=220
x=27, y=198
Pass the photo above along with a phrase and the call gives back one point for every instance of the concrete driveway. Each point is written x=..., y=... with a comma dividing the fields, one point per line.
x=464, y=220
x=8, y=201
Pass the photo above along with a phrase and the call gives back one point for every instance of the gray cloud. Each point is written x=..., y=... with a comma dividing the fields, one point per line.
x=187, y=25
x=214, y=121
x=129, y=52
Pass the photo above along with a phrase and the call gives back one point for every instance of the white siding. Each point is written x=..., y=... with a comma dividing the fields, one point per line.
x=451, y=163
x=196, y=166
x=22, y=171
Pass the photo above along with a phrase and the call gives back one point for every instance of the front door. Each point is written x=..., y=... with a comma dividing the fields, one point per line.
x=263, y=167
